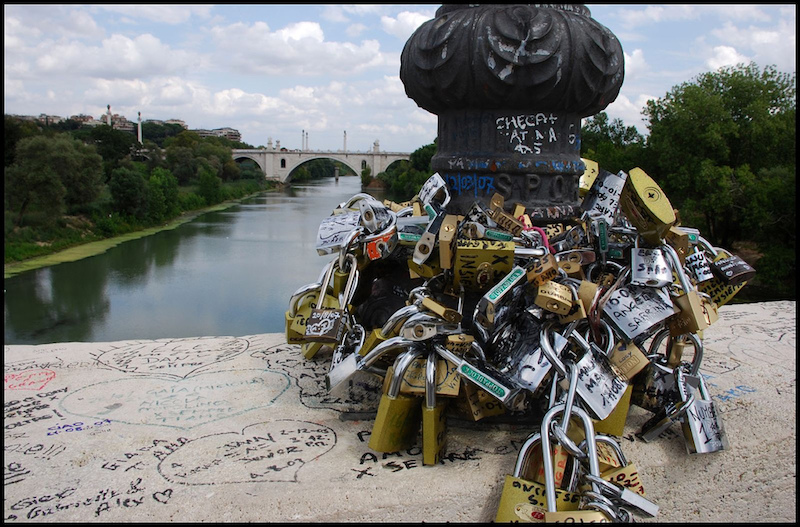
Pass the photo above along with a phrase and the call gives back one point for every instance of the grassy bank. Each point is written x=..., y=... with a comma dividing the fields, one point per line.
x=95, y=244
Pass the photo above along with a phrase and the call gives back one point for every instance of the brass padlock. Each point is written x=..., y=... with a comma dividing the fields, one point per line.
x=543, y=270
x=646, y=206
x=476, y=403
x=447, y=240
x=554, y=297
x=587, y=178
x=398, y=419
x=577, y=311
x=434, y=419
x=479, y=264
x=679, y=239
x=522, y=498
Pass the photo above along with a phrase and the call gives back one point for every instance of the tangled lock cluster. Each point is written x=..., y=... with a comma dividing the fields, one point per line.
x=560, y=326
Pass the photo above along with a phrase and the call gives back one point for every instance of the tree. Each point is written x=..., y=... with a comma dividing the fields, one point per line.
x=14, y=130
x=52, y=174
x=162, y=192
x=112, y=145
x=209, y=185
x=612, y=145
x=723, y=149
x=404, y=179
x=129, y=192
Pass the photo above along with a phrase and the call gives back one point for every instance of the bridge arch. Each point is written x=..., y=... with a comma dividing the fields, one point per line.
x=277, y=164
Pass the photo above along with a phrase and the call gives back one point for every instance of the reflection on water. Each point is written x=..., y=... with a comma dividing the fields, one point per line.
x=226, y=273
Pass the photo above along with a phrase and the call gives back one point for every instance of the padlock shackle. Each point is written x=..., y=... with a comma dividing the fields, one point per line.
x=401, y=365
x=430, y=379
x=675, y=263
x=397, y=319
x=547, y=459
x=392, y=344
x=525, y=452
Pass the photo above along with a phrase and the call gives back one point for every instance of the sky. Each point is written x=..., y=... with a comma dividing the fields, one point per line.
x=290, y=71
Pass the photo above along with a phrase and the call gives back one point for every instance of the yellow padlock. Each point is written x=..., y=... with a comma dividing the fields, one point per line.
x=587, y=178
x=543, y=270
x=434, y=418
x=525, y=500
x=646, y=206
x=447, y=241
x=479, y=264
x=476, y=403
x=554, y=297
x=397, y=422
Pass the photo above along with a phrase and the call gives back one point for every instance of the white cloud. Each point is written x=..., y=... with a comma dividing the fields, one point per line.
x=298, y=49
x=116, y=57
x=635, y=64
x=404, y=24
x=725, y=56
x=653, y=14
x=355, y=30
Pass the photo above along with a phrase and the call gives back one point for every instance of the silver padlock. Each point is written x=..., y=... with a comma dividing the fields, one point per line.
x=703, y=430
x=649, y=267
x=698, y=265
x=636, y=311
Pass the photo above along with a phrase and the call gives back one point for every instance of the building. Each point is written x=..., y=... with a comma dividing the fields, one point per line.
x=228, y=133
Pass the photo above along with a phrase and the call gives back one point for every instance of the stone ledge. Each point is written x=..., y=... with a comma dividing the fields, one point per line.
x=223, y=429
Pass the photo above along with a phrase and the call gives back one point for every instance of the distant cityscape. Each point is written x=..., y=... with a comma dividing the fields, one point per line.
x=120, y=122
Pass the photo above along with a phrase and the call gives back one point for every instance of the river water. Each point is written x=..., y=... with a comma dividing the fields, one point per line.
x=225, y=273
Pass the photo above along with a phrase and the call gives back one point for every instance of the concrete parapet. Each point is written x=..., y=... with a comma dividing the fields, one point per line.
x=223, y=429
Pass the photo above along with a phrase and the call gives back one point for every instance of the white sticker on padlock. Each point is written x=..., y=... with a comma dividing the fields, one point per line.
x=634, y=310
x=603, y=198
x=334, y=230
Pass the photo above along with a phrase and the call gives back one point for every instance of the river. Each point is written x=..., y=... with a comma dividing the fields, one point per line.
x=225, y=273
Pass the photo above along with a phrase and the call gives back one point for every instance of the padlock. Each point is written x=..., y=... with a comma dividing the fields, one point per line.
x=424, y=326
x=447, y=240
x=484, y=376
x=375, y=217
x=680, y=240
x=327, y=324
x=586, y=180
x=434, y=419
x=646, y=206
x=543, y=269
x=434, y=192
x=427, y=242
x=524, y=499
x=615, y=467
x=649, y=267
x=595, y=508
x=577, y=310
x=600, y=385
x=720, y=292
x=398, y=419
x=554, y=297
x=732, y=269
x=479, y=264
x=382, y=244
x=603, y=197
x=475, y=403
x=337, y=230
x=501, y=294
x=447, y=314
x=692, y=316
x=702, y=426
x=343, y=368
x=300, y=305
x=698, y=265
x=637, y=311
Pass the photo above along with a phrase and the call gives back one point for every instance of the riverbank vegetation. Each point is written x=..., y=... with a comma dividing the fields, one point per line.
x=66, y=185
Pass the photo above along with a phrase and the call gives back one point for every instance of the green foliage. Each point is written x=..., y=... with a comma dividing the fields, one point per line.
x=612, y=145
x=113, y=145
x=51, y=175
x=129, y=192
x=366, y=176
x=404, y=179
x=209, y=186
x=708, y=138
x=15, y=130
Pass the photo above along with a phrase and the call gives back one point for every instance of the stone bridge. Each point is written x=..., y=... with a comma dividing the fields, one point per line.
x=277, y=163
